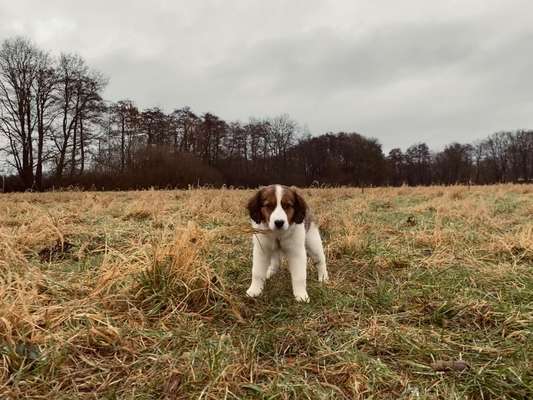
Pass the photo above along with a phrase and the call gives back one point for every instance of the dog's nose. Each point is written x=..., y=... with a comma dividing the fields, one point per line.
x=279, y=223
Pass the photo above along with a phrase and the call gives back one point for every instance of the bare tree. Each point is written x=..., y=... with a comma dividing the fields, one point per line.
x=125, y=115
x=454, y=164
x=44, y=87
x=418, y=158
x=187, y=125
x=396, y=163
x=78, y=94
x=212, y=130
x=70, y=70
x=283, y=132
x=18, y=71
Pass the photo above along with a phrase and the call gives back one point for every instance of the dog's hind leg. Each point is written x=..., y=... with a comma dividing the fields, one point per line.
x=275, y=261
x=313, y=244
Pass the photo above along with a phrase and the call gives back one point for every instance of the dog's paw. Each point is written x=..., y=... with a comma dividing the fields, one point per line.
x=302, y=297
x=271, y=272
x=323, y=277
x=253, y=291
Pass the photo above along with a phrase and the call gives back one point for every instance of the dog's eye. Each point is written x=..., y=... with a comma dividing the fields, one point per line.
x=286, y=205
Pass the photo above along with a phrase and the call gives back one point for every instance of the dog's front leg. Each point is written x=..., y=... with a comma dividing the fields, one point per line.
x=298, y=267
x=261, y=259
x=275, y=261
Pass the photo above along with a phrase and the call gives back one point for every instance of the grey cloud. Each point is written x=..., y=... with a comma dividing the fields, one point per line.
x=402, y=73
x=325, y=61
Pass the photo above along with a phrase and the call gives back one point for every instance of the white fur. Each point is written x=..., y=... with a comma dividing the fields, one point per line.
x=294, y=242
x=279, y=213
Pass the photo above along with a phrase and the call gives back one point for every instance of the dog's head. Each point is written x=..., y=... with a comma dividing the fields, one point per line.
x=277, y=206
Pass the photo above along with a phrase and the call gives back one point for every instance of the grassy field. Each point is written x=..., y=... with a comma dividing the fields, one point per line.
x=141, y=295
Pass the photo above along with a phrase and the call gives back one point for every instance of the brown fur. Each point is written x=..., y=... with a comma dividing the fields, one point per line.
x=294, y=205
x=263, y=203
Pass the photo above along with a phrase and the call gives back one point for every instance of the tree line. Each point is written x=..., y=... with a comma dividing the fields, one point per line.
x=57, y=130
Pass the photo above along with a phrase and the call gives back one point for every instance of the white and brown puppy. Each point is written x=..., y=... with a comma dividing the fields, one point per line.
x=283, y=216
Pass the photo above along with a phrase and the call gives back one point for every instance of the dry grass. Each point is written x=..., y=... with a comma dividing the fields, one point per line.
x=141, y=295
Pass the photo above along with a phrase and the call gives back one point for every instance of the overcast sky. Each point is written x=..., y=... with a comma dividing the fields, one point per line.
x=400, y=71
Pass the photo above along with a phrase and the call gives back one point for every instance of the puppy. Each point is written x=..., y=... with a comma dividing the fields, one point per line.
x=283, y=216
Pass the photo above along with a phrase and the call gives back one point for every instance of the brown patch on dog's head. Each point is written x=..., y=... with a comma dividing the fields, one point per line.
x=262, y=203
x=294, y=205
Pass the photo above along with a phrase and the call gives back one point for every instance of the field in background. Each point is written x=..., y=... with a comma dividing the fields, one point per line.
x=142, y=295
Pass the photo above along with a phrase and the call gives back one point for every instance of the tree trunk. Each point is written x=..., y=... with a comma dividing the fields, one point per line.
x=29, y=130
x=40, y=144
x=122, y=143
x=82, y=147
x=74, y=148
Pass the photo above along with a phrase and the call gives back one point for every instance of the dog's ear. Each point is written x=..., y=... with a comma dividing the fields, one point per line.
x=254, y=207
x=300, y=207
